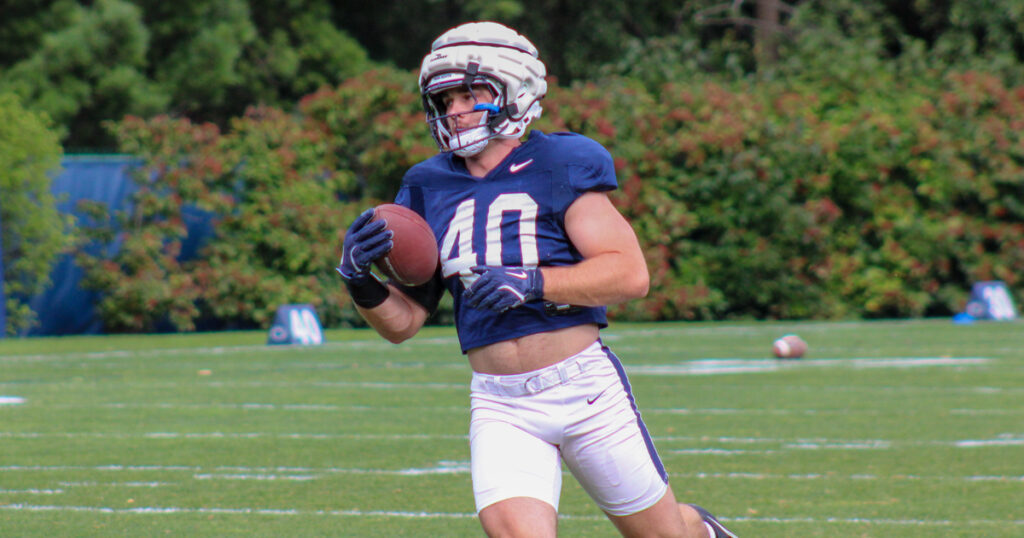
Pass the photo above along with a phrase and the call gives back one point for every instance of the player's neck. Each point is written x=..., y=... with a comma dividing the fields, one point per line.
x=497, y=149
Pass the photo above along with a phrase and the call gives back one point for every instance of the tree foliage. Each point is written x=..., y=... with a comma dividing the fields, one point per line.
x=90, y=70
x=280, y=188
x=787, y=199
x=34, y=233
x=203, y=59
x=208, y=60
x=868, y=166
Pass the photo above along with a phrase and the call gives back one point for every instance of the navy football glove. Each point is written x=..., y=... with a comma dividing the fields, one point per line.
x=502, y=288
x=365, y=242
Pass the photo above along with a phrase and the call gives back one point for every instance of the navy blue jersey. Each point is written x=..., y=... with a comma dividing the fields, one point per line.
x=515, y=216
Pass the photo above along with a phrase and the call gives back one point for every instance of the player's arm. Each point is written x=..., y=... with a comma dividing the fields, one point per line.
x=396, y=312
x=613, y=269
x=398, y=318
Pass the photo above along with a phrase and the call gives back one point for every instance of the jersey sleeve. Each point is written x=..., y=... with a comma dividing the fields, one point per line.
x=411, y=196
x=410, y=193
x=402, y=198
x=595, y=171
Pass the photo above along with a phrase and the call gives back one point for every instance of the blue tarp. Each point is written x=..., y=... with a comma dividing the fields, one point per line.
x=64, y=308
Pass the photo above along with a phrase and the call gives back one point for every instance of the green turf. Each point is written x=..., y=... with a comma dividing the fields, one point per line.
x=221, y=435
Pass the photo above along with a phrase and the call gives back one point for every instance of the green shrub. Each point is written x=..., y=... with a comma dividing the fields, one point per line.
x=793, y=198
x=34, y=233
x=281, y=189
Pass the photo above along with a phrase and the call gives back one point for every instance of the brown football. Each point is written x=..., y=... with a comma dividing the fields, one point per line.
x=789, y=346
x=414, y=258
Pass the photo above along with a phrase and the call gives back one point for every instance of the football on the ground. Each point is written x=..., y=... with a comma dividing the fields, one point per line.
x=414, y=258
x=789, y=346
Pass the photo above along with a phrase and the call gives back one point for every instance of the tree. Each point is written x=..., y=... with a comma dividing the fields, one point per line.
x=217, y=57
x=34, y=233
x=89, y=71
x=24, y=23
x=204, y=59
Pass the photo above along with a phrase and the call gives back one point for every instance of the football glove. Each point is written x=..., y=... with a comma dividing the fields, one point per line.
x=365, y=241
x=502, y=288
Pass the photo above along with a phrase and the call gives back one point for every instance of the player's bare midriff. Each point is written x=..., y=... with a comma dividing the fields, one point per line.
x=531, y=352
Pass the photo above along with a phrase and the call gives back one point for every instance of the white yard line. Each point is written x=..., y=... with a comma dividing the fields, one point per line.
x=290, y=473
x=235, y=435
x=1008, y=439
x=256, y=406
x=746, y=366
x=402, y=514
x=464, y=410
x=226, y=350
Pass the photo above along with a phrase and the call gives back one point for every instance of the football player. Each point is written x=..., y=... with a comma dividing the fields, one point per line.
x=531, y=250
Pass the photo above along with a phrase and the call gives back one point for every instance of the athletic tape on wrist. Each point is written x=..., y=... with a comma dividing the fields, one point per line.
x=369, y=293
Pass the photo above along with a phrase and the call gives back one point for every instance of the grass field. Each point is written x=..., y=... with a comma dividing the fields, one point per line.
x=887, y=429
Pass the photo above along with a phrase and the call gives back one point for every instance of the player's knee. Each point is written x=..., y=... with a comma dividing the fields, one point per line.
x=519, y=518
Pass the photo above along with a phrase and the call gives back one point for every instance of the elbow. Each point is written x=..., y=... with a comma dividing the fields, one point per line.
x=641, y=286
x=638, y=283
x=397, y=337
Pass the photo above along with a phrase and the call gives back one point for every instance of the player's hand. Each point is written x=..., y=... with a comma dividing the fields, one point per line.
x=365, y=241
x=502, y=288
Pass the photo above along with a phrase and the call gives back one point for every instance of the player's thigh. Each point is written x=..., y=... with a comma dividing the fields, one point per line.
x=610, y=451
x=507, y=462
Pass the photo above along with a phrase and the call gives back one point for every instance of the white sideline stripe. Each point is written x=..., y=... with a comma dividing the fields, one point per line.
x=162, y=510
x=464, y=387
x=223, y=350
x=254, y=511
x=241, y=472
x=330, y=384
x=803, y=444
x=442, y=468
x=235, y=435
x=868, y=477
x=263, y=407
x=257, y=477
x=745, y=366
x=875, y=521
x=116, y=484
x=31, y=491
x=276, y=384
x=986, y=411
x=255, y=406
x=11, y=400
x=972, y=443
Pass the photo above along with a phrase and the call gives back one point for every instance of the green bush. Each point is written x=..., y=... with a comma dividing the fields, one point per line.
x=281, y=189
x=793, y=198
x=34, y=233
x=274, y=199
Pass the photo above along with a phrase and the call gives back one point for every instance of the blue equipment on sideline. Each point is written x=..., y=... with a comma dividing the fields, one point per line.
x=296, y=324
x=991, y=300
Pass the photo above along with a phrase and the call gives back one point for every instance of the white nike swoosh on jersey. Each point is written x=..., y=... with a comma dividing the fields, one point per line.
x=519, y=166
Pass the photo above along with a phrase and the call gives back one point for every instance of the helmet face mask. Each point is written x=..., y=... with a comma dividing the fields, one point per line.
x=466, y=140
x=482, y=53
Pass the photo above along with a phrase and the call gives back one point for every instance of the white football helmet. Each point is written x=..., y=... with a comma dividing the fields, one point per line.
x=485, y=53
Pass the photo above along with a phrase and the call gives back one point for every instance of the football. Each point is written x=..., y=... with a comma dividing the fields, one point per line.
x=414, y=258
x=789, y=346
